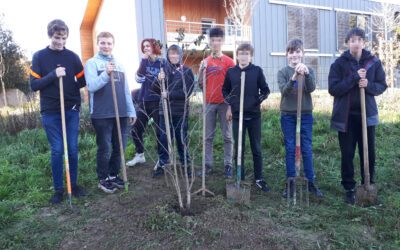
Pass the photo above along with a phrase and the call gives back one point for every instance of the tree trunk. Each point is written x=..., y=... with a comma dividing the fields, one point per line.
x=4, y=92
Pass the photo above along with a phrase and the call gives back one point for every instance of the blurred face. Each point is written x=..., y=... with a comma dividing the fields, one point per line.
x=356, y=44
x=58, y=40
x=294, y=57
x=147, y=49
x=244, y=57
x=106, y=45
x=216, y=44
x=173, y=56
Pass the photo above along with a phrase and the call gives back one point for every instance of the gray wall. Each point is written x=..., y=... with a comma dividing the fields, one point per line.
x=150, y=20
x=270, y=34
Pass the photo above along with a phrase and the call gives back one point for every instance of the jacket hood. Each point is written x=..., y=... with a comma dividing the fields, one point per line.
x=248, y=67
x=177, y=48
x=103, y=57
x=347, y=55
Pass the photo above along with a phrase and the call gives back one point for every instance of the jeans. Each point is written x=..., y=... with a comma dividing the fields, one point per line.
x=288, y=125
x=348, y=142
x=253, y=126
x=178, y=128
x=212, y=111
x=52, y=126
x=109, y=162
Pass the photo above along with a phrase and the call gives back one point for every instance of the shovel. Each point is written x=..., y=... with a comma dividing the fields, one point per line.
x=367, y=194
x=121, y=146
x=239, y=192
x=298, y=184
x=64, y=134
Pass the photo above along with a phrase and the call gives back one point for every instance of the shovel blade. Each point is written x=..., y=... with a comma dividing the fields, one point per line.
x=366, y=195
x=239, y=195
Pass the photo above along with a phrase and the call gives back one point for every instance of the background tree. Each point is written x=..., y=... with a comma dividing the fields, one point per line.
x=13, y=65
x=386, y=24
x=239, y=13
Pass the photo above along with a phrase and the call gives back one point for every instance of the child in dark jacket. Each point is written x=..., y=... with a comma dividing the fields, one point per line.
x=48, y=65
x=288, y=85
x=356, y=68
x=256, y=90
x=179, y=81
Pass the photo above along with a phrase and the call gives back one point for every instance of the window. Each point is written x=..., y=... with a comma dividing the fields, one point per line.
x=230, y=28
x=346, y=21
x=303, y=23
x=206, y=24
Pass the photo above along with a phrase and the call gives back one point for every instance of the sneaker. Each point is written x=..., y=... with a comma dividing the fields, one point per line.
x=285, y=192
x=228, y=171
x=139, y=158
x=78, y=191
x=116, y=181
x=350, y=197
x=107, y=186
x=57, y=197
x=262, y=185
x=314, y=190
x=159, y=171
x=208, y=171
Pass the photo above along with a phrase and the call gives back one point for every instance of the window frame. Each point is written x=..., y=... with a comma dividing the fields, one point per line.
x=302, y=8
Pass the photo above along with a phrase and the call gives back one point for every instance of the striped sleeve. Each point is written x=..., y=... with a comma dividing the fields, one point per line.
x=37, y=80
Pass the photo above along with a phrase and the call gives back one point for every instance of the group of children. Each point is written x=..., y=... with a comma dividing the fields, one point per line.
x=356, y=68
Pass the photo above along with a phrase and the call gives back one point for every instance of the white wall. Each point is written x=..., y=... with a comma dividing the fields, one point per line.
x=119, y=18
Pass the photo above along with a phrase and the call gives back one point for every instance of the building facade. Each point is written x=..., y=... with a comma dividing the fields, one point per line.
x=321, y=24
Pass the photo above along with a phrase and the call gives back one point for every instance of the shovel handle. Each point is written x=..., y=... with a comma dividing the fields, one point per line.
x=65, y=143
x=300, y=81
x=121, y=147
x=240, y=132
x=365, y=138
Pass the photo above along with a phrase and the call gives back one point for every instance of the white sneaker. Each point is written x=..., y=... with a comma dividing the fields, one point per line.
x=139, y=158
x=157, y=165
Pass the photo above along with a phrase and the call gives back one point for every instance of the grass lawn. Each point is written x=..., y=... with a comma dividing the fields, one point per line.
x=145, y=218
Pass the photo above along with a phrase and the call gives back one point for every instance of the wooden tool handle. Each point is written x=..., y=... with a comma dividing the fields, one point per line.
x=365, y=137
x=121, y=147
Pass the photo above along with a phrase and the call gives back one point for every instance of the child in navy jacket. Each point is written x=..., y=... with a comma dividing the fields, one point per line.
x=256, y=90
x=356, y=68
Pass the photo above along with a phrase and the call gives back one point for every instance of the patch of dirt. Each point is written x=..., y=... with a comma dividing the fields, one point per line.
x=148, y=217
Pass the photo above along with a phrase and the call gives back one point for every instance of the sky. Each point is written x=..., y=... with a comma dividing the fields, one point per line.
x=28, y=21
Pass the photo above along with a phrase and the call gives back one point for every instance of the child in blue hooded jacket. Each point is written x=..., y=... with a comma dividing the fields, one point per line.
x=179, y=81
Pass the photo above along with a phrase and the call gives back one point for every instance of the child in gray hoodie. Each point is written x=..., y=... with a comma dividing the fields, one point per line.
x=97, y=73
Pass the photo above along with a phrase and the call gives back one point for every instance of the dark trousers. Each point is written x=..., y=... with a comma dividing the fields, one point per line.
x=108, y=152
x=348, y=142
x=178, y=128
x=146, y=111
x=253, y=127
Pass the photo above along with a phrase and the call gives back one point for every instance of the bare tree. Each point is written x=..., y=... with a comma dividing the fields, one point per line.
x=182, y=175
x=239, y=13
x=386, y=25
x=3, y=72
